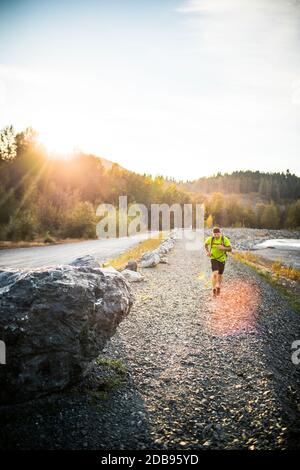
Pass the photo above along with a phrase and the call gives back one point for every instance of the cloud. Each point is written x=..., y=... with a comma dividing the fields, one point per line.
x=248, y=54
x=252, y=45
x=204, y=6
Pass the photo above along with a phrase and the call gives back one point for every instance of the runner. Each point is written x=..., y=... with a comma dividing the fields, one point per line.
x=216, y=247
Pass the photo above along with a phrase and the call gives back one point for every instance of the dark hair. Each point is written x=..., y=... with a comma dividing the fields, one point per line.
x=216, y=229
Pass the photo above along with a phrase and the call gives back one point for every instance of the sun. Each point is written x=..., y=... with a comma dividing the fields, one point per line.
x=59, y=143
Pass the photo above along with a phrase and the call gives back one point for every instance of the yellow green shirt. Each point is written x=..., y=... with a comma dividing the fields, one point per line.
x=215, y=252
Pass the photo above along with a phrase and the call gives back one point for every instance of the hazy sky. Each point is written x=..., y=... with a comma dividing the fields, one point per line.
x=183, y=88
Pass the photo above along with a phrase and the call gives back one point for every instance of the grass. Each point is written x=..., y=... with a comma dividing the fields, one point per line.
x=286, y=271
x=136, y=252
x=114, y=364
x=284, y=278
x=273, y=268
x=105, y=385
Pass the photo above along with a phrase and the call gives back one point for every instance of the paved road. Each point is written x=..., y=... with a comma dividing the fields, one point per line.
x=65, y=253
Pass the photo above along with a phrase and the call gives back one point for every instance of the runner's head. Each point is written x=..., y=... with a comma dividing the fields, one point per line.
x=216, y=232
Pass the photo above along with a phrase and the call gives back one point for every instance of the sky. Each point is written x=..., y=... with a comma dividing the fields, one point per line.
x=182, y=88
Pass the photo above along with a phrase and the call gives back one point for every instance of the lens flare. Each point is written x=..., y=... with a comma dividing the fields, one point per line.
x=235, y=310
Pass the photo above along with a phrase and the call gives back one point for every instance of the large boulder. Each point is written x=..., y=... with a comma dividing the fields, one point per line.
x=54, y=322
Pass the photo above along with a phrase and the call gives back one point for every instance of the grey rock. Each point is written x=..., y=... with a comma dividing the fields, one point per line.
x=54, y=322
x=166, y=246
x=174, y=234
x=86, y=260
x=149, y=259
x=132, y=265
x=132, y=276
x=162, y=250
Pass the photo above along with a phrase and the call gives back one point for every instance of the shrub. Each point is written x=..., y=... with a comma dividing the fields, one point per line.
x=3, y=232
x=48, y=238
x=209, y=221
x=22, y=226
x=81, y=223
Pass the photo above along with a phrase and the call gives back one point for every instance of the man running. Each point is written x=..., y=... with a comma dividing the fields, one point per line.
x=216, y=248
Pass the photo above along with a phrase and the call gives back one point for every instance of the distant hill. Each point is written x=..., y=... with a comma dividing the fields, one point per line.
x=277, y=187
x=106, y=164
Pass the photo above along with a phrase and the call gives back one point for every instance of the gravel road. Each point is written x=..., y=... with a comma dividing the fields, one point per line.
x=38, y=256
x=202, y=373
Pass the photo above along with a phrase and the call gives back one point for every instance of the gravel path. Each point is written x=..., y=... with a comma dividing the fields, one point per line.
x=201, y=372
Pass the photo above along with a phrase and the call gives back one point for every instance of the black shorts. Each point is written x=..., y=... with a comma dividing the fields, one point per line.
x=217, y=265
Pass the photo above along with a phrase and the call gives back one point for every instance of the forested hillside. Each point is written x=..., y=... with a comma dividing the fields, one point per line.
x=46, y=197
x=271, y=186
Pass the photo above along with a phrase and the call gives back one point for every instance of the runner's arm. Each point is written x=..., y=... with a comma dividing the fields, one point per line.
x=207, y=246
x=227, y=246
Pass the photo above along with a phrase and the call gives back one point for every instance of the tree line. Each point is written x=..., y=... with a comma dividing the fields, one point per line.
x=269, y=186
x=49, y=198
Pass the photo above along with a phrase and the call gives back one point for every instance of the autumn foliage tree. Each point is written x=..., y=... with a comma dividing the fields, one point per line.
x=44, y=197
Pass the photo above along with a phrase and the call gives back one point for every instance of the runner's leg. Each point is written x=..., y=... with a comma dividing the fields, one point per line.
x=214, y=278
x=220, y=277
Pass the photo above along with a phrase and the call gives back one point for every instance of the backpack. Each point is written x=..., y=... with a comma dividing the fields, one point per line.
x=222, y=243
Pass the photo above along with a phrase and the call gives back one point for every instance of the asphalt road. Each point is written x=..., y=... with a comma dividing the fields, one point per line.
x=65, y=253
